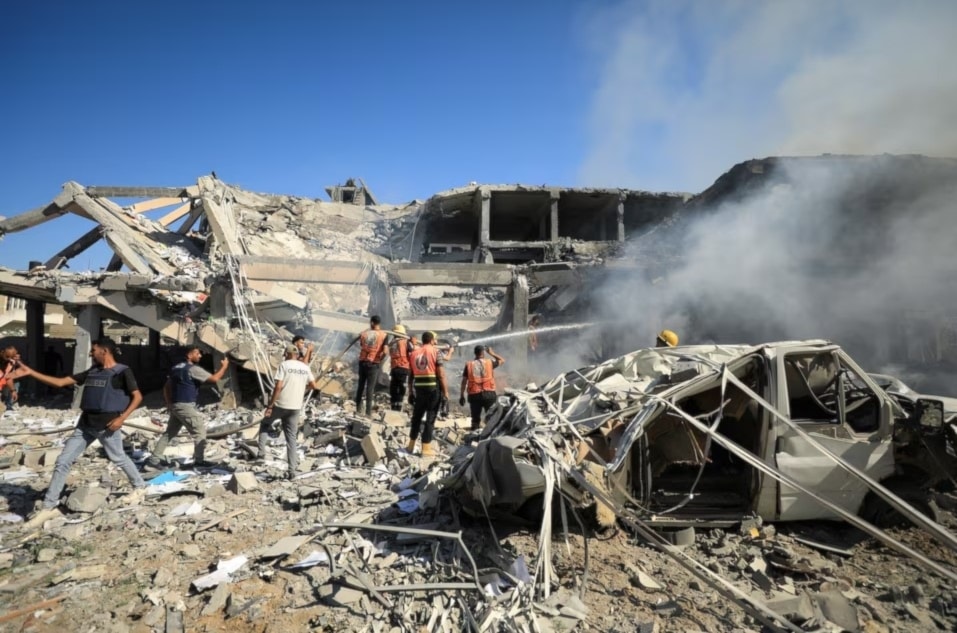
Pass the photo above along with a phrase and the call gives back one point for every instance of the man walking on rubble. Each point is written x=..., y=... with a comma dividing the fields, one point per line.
x=427, y=386
x=399, y=350
x=110, y=395
x=180, y=393
x=285, y=404
x=478, y=380
x=372, y=350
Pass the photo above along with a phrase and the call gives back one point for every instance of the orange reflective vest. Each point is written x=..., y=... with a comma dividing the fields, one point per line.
x=423, y=362
x=372, y=346
x=399, y=352
x=479, y=373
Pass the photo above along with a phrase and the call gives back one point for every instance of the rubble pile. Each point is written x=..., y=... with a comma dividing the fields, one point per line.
x=371, y=538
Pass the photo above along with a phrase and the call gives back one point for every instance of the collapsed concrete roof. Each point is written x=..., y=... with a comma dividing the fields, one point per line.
x=460, y=261
x=478, y=258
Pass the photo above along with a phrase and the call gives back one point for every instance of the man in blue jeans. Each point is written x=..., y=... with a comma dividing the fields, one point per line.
x=110, y=395
x=285, y=404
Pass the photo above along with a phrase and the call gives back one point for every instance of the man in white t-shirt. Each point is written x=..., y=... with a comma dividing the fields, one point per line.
x=285, y=404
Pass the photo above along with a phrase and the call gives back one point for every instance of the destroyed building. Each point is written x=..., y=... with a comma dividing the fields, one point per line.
x=472, y=260
x=240, y=271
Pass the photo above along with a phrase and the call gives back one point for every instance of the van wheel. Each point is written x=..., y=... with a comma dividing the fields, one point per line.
x=880, y=513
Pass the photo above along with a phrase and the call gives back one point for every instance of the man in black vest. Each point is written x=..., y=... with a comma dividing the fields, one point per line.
x=110, y=395
x=181, y=392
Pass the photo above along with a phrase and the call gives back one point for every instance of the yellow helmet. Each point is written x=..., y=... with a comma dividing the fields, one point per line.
x=667, y=337
x=399, y=328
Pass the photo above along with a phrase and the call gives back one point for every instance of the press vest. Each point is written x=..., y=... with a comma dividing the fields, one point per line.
x=371, y=345
x=399, y=353
x=99, y=394
x=480, y=376
x=185, y=388
x=423, y=361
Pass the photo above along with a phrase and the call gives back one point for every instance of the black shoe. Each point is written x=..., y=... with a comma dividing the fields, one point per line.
x=155, y=463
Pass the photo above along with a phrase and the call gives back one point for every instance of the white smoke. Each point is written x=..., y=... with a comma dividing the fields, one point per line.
x=855, y=250
x=686, y=88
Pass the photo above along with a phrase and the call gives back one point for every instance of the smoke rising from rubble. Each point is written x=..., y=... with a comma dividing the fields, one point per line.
x=851, y=250
x=691, y=87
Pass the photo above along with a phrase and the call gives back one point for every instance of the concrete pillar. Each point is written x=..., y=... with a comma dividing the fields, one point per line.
x=621, y=217
x=153, y=349
x=88, y=328
x=221, y=310
x=380, y=298
x=485, y=216
x=519, y=354
x=554, y=215
x=34, y=350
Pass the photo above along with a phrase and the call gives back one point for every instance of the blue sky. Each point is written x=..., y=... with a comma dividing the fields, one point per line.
x=289, y=97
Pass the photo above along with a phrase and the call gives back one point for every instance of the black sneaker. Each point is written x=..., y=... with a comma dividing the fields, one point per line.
x=155, y=463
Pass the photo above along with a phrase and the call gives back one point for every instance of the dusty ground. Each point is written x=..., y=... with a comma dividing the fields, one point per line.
x=131, y=567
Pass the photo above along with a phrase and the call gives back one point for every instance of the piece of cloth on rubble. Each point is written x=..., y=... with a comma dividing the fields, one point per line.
x=493, y=473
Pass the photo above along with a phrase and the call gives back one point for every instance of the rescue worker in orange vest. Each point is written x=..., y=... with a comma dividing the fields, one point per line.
x=427, y=386
x=399, y=349
x=372, y=349
x=478, y=380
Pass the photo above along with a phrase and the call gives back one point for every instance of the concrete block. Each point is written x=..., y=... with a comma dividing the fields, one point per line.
x=373, y=448
x=32, y=458
x=395, y=418
x=792, y=607
x=216, y=490
x=218, y=600
x=838, y=609
x=87, y=499
x=335, y=389
x=359, y=428
x=242, y=482
x=339, y=595
x=50, y=456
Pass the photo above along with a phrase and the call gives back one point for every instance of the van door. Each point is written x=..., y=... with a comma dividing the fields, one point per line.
x=831, y=399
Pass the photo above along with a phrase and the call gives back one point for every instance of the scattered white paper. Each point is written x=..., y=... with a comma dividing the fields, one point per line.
x=222, y=574
x=187, y=509
x=315, y=557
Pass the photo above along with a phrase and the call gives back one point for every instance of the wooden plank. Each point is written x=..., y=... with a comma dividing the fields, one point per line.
x=176, y=213
x=155, y=203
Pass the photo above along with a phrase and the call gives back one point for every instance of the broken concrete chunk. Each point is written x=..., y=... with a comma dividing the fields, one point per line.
x=795, y=608
x=46, y=554
x=87, y=499
x=373, y=448
x=838, y=609
x=395, y=418
x=216, y=490
x=646, y=582
x=283, y=547
x=338, y=595
x=217, y=600
x=242, y=482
